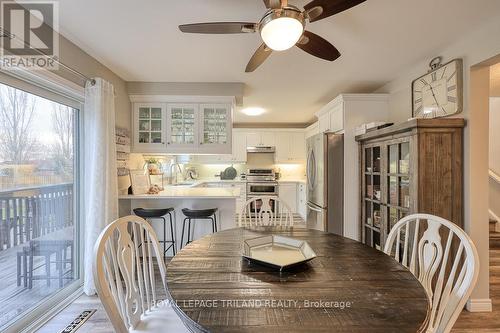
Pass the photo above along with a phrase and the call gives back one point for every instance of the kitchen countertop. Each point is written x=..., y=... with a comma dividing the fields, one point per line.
x=188, y=192
x=194, y=190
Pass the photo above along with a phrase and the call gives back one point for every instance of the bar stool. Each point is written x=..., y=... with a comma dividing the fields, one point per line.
x=149, y=213
x=197, y=214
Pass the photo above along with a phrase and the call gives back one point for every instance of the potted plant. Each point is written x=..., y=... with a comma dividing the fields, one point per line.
x=154, y=166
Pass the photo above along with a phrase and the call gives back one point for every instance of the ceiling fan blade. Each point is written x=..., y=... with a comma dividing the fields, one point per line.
x=318, y=46
x=320, y=9
x=274, y=4
x=219, y=28
x=262, y=53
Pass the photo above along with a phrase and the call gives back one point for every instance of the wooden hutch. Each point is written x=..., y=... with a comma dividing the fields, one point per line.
x=413, y=167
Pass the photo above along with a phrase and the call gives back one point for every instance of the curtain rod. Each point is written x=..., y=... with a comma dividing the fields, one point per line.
x=7, y=34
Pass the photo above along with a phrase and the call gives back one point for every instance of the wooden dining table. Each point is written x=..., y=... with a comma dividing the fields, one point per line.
x=348, y=287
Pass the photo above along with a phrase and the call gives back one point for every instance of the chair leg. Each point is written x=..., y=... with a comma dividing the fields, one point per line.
x=47, y=269
x=60, y=263
x=182, y=235
x=213, y=225
x=215, y=221
x=19, y=273
x=172, y=233
x=30, y=270
x=25, y=269
x=189, y=232
x=164, y=237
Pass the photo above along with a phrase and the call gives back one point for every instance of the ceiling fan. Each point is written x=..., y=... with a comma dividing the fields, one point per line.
x=281, y=27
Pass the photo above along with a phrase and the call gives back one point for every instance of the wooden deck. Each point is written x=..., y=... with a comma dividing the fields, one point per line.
x=15, y=300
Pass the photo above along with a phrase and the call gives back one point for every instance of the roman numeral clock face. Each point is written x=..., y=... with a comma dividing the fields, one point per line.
x=438, y=93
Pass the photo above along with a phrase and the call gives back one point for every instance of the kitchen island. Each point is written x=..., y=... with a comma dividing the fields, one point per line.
x=178, y=197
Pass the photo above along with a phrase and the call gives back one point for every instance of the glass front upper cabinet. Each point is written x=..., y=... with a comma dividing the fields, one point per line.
x=149, y=122
x=183, y=125
x=182, y=128
x=215, y=124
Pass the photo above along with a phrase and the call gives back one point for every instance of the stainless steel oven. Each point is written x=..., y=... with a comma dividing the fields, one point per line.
x=262, y=188
x=261, y=182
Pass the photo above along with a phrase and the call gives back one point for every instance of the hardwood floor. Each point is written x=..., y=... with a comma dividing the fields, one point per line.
x=467, y=322
x=490, y=321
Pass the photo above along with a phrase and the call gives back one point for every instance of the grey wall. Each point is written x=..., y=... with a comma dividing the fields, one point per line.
x=476, y=47
x=74, y=57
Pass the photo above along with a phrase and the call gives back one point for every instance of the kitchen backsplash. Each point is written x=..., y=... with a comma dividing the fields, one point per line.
x=288, y=171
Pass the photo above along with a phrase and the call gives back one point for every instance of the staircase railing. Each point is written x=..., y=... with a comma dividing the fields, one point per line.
x=494, y=176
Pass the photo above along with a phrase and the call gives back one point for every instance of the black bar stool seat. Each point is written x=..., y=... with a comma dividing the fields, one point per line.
x=159, y=213
x=197, y=214
x=153, y=213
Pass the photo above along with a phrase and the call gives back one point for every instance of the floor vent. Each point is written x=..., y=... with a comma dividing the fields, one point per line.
x=79, y=321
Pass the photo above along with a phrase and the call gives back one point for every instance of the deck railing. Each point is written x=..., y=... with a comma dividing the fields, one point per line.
x=30, y=212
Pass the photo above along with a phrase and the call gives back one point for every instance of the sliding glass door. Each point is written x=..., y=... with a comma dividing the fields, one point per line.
x=39, y=229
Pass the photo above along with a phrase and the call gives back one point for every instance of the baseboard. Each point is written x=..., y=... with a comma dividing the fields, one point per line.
x=479, y=305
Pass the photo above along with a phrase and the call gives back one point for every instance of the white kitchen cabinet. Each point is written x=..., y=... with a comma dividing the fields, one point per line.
x=324, y=122
x=148, y=125
x=287, y=192
x=260, y=138
x=182, y=130
x=301, y=200
x=290, y=147
x=268, y=138
x=167, y=124
x=215, y=128
x=331, y=116
x=312, y=130
x=239, y=148
x=298, y=147
x=282, y=153
x=345, y=113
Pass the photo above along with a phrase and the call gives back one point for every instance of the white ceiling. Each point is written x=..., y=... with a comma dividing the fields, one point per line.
x=140, y=41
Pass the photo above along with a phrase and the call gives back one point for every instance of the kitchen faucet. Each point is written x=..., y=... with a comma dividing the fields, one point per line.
x=177, y=170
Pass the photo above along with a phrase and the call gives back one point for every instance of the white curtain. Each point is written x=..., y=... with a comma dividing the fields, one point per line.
x=100, y=179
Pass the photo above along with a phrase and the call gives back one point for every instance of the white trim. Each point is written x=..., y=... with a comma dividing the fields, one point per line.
x=479, y=305
x=36, y=317
x=493, y=175
x=50, y=81
x=182, y=99
x=352, y=97
x=270, y=129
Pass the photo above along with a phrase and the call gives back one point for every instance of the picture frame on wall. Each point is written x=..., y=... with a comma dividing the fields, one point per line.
x=140, y=182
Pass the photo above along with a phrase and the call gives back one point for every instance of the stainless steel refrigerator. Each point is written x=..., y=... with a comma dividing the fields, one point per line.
x=325, y=183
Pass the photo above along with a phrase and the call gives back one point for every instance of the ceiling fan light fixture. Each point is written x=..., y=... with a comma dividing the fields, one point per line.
x=282, y=33
x=281, y=29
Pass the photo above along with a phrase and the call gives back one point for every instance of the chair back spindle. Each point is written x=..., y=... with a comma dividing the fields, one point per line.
x=124, y=270
x=265, y=211
x=447, y=273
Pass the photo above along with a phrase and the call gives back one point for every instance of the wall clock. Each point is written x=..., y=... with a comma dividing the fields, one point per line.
x=439, y=93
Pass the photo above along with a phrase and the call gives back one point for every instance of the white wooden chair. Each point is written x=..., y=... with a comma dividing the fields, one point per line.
x=258, y=211
x=421, y=251
x=124, y=273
